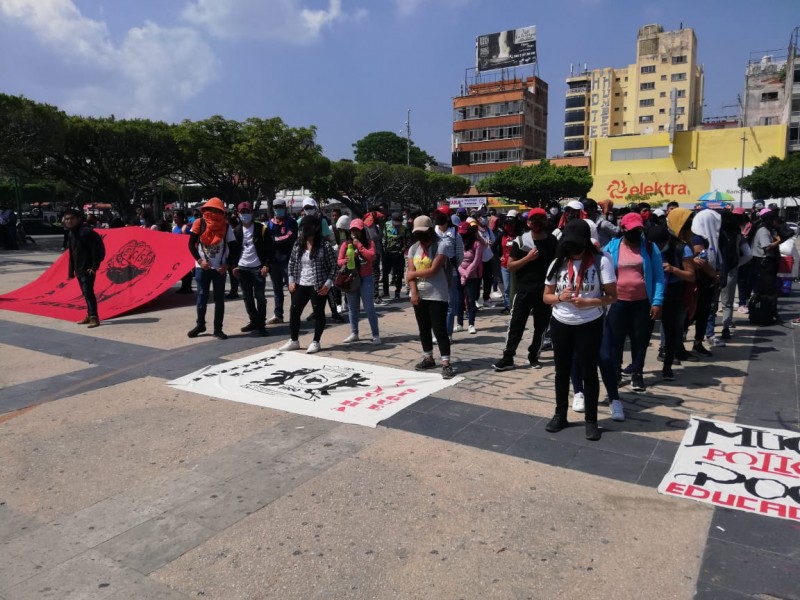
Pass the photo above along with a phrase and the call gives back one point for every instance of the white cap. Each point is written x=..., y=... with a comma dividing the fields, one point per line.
x=343, y=222
x=575, y=205
x=659, y=212
x=512, y=213
x=309, y=201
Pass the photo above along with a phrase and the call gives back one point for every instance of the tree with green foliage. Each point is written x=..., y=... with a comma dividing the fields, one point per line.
x=538, y=184
x=776, y=178
x=29, y=131
x=388, y=147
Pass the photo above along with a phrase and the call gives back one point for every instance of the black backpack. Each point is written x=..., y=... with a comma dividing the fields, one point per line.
x=762, y=309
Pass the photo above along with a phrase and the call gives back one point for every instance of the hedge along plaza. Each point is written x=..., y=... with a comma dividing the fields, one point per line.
x=752, y=469
x=337, y=390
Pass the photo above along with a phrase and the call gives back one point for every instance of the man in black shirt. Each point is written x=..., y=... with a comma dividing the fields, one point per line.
x=531, y=255
x=86, y=252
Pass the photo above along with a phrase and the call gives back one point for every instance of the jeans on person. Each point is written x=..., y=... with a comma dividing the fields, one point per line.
x=254, y=287
x=624, y=318
x=364, y=294
x=487, y=278
x=393, y=263
x=712, y=311
x=673, y=315
x=452, y=304
x=431, y=316
x=301, y=296
x=234, y=283
x=505, y=275
x=277, y=275
x=87, y=289
x=726, y=297
x=525, y=304
x=468, y=294
x=705, y=295
x=205, y=278
x=581, y=342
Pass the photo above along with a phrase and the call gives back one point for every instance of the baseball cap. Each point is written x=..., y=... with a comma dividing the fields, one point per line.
x=421, y=223
x=631, y=220
x=576, y=231
x=463, y=227
x=244, y=206
x=512, y=213
x=279, y=203
x=444, y=209
x=575, y=205
x=309, y=201
x=214, y=203
x=764, y=211
x=356, y=224
x=537, y=212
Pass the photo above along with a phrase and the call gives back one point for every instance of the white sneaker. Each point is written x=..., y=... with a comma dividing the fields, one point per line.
x=617, y=412
x=458, y=328
x=579, y=402
x=313, y=348
x=376, y=341
x=472, y=329
x=479, y=302
x=290, y=345
x=496, y=295
x=353, y=337
x=713, y=340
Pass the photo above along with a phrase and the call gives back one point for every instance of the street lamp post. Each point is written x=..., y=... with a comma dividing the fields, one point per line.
x=741, y=190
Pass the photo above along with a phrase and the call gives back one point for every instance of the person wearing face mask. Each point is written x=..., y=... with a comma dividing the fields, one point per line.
x=213, y=245
x=452, y=246
x=511, y=227
x=530, y=256
x=252, y=266
x=364, y=256
x=181, y=227
x=708, y=263
x=283, y=230
x=580, y=283
x=470, y=271
x=574, y=210
x=487, y=238
x=606, y=230
x=395, y=243
x=312, y=267
x=428, y=278
x=638, y=266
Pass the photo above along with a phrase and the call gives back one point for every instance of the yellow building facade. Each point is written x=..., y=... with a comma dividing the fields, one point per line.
x=696, y=162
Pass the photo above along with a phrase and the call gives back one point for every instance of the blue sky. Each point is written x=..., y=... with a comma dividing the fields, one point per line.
x=349, y=67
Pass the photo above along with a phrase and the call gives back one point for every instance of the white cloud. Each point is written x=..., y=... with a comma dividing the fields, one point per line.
x=146, y=75
x=284, y=20
x=407, y=8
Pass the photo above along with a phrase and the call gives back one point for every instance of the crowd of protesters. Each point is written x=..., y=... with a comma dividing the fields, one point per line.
x=590, y=275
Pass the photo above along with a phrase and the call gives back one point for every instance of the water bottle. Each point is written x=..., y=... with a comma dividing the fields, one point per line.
x=703, y=255
x=350, y=253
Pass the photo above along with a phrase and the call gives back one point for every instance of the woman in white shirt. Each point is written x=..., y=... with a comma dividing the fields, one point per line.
x=580, y=282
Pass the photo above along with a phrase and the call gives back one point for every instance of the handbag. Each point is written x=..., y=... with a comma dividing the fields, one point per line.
x=347, y=280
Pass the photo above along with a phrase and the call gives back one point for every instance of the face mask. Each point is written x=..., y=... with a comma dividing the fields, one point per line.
x=571, y=248
x=554, y=211
x=440, y=219
x=509, y=229
x=309, y=231
x=309, y=210
x=280, y=212
x=633, y=235
x=483, y=222
x=246, y=218
x=536, y=226
x=422, y=236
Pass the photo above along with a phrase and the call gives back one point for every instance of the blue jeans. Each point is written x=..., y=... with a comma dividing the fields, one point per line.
x=468, y=294
x=87, y=289
x=278, y=277
x=365, y=294
x=505, y=274
x=623, y=319
x=452, y=304
x=204, y=280
x=253, y=292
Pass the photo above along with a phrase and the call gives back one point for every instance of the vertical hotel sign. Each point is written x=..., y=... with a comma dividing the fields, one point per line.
x=510, y=48
x=600, y=103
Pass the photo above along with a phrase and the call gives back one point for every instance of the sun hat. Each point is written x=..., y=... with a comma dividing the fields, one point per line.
x=422, y=223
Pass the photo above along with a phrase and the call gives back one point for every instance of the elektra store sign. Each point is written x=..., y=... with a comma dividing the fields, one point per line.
x=684, y=187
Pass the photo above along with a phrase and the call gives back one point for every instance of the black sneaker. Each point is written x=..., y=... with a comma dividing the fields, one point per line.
x=534, y=364
x=310, y=317
x=726, y=333
x=448, y=372
x=337, y=317
x=700, y=349
x=637, y=382
x=248, y=328
x=397, y=295
x=627, y=372
x=667, y=374
x=556, y=424
x=660, y=357
x=196, y=331
x=593, y=432
x=505, y=311
x=232, y=296
x=425, y=364
x=547, y=344
x=219, y=334
x=504, y=364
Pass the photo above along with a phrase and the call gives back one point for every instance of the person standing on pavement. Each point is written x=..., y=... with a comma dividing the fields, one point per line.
x=428, y=281
x=312, y=267
x=639, y=273
x=470, y=273
x=310, y=207
x=395, y=243
x=213, y=246
x=373, y=221
x=511, y=227
x=531, y=255
x=86, y=252
x=181, y=227
x=233, y=222
x=252, y=267
x=606, y=229
x=487, y=237
x=450, y=244
x=364, y=256
x=708, y=262
x=580, y=283
x=283, y=229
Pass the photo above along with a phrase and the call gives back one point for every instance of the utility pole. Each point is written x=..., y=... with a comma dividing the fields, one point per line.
x=741, y=190
x=408, y=138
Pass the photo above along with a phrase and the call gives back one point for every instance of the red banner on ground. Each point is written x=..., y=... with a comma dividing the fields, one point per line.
x=139, y=266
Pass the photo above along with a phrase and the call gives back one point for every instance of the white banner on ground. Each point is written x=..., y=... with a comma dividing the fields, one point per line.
x=753, y=469
x=317, y=386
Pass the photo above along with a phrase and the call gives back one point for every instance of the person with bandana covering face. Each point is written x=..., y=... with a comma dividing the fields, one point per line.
x=708, y=262
x=530, y=256
x=511, y=227
x=213, y=245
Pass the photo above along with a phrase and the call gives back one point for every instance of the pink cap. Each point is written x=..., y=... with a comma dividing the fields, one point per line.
x=631, y=220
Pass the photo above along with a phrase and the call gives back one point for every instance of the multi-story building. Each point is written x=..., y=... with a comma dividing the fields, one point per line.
x=639, y=98
x=792, y=92
x=764, y=92
x=497, y=124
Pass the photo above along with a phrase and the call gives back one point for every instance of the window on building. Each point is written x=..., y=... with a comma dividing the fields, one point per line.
x=616, y=109
x=625, y=94
x=663, y=60
x=794, y=136
x=626, y=79
x=661, y=111
x=678, y=77
x=616, y=124
x=681, y=93
x=617, y=79
x=662, y=94
x=647, y=69
x=769, y=96
x=680, y=110
x=661, y=128
x=647, y=102
x=640, y=153
x=679, y=127
x=679, y=60
x=489, y=156
x=650, y=85
x=768, y=121
x=624, y=123
x=663, y=78
x=616, y=93
x=646, y=119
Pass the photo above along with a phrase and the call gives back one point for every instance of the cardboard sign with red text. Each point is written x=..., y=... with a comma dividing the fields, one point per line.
x=317, y=386
x=753, y=469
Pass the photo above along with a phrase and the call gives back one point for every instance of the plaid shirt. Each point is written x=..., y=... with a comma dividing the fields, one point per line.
x=323, y=265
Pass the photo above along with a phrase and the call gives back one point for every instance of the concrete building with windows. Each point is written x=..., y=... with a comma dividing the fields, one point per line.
x=661, y=92
x=497, y=124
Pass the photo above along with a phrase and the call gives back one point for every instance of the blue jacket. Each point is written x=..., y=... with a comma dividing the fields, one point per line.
x=653, y=268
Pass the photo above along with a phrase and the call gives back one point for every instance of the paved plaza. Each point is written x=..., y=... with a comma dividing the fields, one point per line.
x=115, y=485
